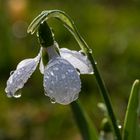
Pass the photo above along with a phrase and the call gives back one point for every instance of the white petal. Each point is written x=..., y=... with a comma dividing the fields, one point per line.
x=61, y=81
x=20, y=76
x=78, y=60
x=41, y=66
x=51, y=51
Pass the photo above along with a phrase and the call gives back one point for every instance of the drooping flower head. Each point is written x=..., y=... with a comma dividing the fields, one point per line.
x=61, y=73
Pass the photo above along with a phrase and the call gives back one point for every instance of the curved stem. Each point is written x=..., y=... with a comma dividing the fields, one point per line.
x=105, y=97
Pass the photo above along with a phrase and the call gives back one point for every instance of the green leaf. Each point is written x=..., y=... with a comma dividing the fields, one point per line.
x=66, y=21
x=131, y=129
x=84, y=123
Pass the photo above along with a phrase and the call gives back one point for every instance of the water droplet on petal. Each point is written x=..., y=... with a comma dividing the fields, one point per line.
x=75, y=97
x=50, y=90
x=70, y=70
x=47, y=76
x=74, y=89
x=52, y=73
x=55, y=68
x=9, y=94
x=91, y=72
x=17, y=94
x=18, y=72
x=52, y=100
x=11, y=72
x=63, y=76
x=45, y=93
x=52, y=82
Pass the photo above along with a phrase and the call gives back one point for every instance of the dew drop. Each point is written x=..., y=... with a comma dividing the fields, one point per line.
x=91, y=72
x=9, y=94
x=96, y=62
x=11, y=72
x=63, y=76
x=119, y=126
x=55, y=68
x=90, y=51
x=46, y=77
x=75, y=97
x=70, y=70
x=56, y=78
x=45, y=93
x=52, y=73
x=18, y=72
x=52, y=82
x=17, y=94
x=52, y=100
x=74, y=89
x=50, y=90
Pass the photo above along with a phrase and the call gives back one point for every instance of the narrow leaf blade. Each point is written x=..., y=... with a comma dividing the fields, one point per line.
x=84, y=123
x=131, y=129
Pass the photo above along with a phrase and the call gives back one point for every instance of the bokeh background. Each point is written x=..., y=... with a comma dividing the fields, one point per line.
x=112, y=30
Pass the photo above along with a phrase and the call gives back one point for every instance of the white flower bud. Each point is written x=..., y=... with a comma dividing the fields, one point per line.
x=61, y=81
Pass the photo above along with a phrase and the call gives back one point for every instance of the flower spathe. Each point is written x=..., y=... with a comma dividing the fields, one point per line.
x=61, y=79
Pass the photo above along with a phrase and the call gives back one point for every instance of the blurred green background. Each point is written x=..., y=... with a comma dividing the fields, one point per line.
x=112, y=30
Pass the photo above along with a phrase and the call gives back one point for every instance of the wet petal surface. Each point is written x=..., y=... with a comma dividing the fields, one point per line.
x=20, y=76
x=61, y=81
x=78, y=60
x=41, y=66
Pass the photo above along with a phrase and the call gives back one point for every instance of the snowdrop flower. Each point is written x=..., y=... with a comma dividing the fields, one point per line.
x=61, y=83
x=61, y=78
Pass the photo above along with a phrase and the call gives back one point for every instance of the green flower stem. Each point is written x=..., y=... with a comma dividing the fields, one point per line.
x=105, y=96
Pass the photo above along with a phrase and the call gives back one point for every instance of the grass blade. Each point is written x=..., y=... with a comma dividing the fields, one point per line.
x=84, y=123
x=131, y=129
